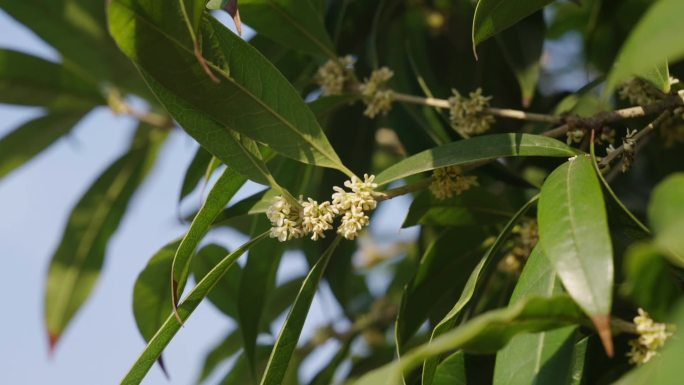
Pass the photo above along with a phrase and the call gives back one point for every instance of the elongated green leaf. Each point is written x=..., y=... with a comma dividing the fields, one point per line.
x=650, y=43
x=473, y=150
x=195, y=171
x=225, y=188
x=442, y=273
x=76, y=264
x=573, y=232
x=658, y=75
x=448, y=322
x=451, y=371
x=279, y=360
x=493, y=16
x=485, y=334
x=156, y=40
x=476, y=206
x=544, y=358
x=258, y=279
x=77, y=29
x=666, y=214
x=292, y=23
x=225, y=295
x=666, y=367
x=171, y=325
x=31, y=138
x=235, y=150
x=151, y=303
x=32, y=81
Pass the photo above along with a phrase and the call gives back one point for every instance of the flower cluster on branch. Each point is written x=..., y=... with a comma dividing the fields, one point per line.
x=289, y=221
x=652, y=336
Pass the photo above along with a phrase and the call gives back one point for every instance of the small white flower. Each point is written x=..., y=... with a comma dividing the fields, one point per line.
x=286, y=221
x=638, y=92
x=652, y=336
x=353, y=205
x=574, y=136
x=468, y=114
x=317, y=218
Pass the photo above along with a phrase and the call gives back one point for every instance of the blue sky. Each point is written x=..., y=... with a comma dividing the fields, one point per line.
x=102, y=340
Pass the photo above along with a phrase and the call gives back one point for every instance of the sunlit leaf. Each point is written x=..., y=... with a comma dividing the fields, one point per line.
x=666, y=215
x=156, y=40
x=473, y=150
x=573, y=232
x=493, y=16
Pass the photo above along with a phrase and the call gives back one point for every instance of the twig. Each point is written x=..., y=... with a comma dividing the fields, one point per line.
x=639, y=135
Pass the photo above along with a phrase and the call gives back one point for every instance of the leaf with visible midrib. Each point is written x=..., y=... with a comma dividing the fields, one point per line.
x=31, y=138
x=289, y=333
x=225, y=188
x=573, y=232
x=156, y=40
x=76, y=264
x=475, y=149
x=171, y=325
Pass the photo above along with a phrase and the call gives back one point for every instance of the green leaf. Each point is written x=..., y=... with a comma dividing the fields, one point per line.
x=171, y=325
x=666, y=367
x=234, y=150
x=545, y=358
x=289, y=334
x=292, y=23
x=522, y=48
x=484, y=334
x=156, y=40
x=475, y=149
x=225, y=188
x=650, y=44
x=658, y=75
x=573, y=232
x=32, y=81
x=476, y=206
x=75, y=265
x=448, y=322
x=25, y=142
x=451, y=371
x=666, y=215
x=77, y=29
x=258, y=280
x=151, y=303
x=196, y=170
x=225, y=297
x=493, y=16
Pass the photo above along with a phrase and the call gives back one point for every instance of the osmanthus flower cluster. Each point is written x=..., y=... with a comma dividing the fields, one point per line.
x=468, y=114
x=335, y=75
x=652, y=336
x=376, y=94
x=447, y=181
x=308, y=217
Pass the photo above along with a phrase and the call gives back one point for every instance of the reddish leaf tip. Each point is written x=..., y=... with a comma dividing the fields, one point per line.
x=602, y=324
x=52, y=342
